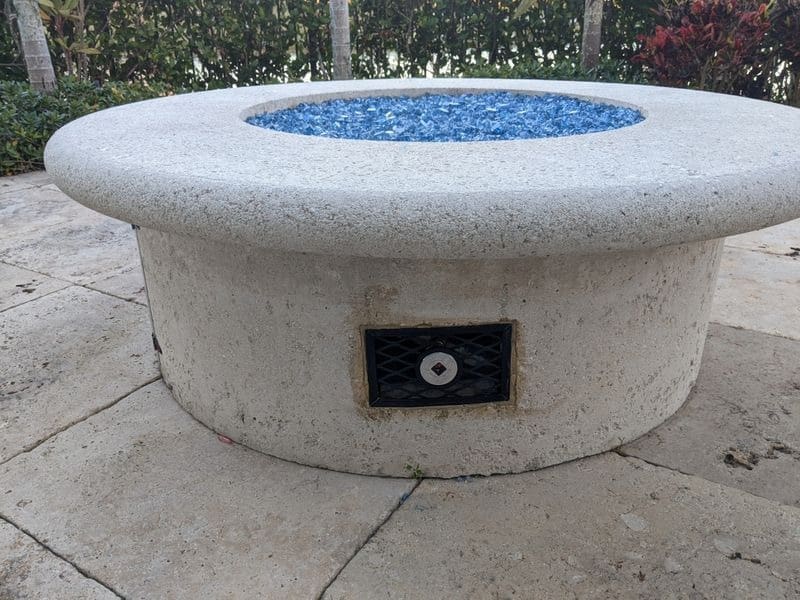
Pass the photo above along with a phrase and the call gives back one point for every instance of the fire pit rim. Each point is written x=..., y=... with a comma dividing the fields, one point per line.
x=191, y=165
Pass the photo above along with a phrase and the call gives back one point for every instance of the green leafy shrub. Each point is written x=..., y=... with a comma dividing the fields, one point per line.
x=28, y=118
x=197, y=44
x=611, y=70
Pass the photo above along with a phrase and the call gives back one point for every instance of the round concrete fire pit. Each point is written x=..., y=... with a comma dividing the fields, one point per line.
x=457, y=307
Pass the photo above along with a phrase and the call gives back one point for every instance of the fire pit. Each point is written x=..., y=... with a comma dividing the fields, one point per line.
x=460, y=303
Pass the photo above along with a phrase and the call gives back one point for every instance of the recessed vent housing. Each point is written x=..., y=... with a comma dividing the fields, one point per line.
x=436, y=366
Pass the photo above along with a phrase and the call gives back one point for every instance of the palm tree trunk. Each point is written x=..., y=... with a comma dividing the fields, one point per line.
x=592, y=33
x=340, y=38
x=34, y=46
x=80, y=28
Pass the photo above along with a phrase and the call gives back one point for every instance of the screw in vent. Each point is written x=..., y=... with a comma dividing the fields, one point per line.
x=438, y=367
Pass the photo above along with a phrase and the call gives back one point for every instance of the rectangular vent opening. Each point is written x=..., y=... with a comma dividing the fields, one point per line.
x=436, y=366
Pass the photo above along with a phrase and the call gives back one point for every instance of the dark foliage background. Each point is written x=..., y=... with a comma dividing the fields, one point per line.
x=28, y=118
x=201, y=44
x=198, y=44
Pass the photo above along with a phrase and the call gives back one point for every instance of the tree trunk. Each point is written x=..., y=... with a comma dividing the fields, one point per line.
x=80, y=28
x=312, y=35
x=34, y=45
x=592, y=34
x=340, y=37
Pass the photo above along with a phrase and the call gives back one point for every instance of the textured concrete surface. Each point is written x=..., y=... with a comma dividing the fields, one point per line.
x=143, y=496
x=602, y=527
x=606, y=347
x=760, y=291
x=190, y=164
x=29, y=572
x=741, y=424
x=65, y=356
x=18, y=286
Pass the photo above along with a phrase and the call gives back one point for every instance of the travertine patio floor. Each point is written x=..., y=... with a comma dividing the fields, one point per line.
x=109, y=489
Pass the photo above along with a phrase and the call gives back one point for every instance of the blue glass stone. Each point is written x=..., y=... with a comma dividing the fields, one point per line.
x=449, y=117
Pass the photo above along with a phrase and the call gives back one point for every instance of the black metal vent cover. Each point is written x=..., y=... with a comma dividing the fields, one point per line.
x=435, y=366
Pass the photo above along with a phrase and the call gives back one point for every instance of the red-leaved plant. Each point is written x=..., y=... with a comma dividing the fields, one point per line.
x=713, y=45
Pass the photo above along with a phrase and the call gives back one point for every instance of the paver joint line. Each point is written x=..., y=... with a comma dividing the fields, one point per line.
x=83, y=285
x=2, y=310
x=632, y=458
x=61, y=430
x=62, y=557
x=404, y=498
x=741, y=328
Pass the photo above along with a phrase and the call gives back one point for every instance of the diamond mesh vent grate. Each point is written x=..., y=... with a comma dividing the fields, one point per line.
x=435, y=366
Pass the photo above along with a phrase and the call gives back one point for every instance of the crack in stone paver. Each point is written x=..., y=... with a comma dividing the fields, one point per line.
x=741, y=328
x=758, y=291
x=47, y=232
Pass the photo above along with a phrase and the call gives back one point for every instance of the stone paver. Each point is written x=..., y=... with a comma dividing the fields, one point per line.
x=28, y=211
x=18, y=286
x=126, y=281
x=94, y=250
x=45, y=231
x=26, y=180
x=741, y=424
x=783, y=239
x=602, y=527
x=143, y=496
x=758, y=291
x=30, y=572
x=65, y=356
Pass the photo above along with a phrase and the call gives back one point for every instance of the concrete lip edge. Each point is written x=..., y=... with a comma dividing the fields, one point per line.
x=237, y=182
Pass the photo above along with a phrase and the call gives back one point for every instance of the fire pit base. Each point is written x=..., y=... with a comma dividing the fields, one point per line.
x=390, y=307
x=272, y=354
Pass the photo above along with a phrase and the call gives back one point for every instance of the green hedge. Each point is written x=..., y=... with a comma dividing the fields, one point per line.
x=197, y=44
x=609, y=69
x=28, y=118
